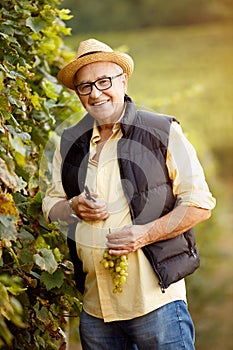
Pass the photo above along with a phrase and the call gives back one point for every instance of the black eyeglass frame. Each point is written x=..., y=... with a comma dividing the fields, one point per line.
x=94, y=83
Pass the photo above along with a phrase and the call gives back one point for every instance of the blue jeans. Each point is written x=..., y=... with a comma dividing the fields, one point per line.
x=167, y=328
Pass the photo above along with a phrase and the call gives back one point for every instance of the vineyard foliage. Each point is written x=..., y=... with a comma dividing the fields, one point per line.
x=34, y=264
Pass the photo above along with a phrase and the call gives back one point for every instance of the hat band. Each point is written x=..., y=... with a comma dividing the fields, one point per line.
x=89, y=53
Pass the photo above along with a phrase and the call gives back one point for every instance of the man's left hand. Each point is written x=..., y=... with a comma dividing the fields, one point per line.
x=127, y=239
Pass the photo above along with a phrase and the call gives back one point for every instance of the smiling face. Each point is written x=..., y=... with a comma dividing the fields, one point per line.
x=104, y=106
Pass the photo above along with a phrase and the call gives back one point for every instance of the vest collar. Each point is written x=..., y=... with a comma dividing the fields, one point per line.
x=129, y=116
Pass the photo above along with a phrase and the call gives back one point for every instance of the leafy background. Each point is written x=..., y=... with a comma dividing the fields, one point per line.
x=36, y=285
x=183, y=66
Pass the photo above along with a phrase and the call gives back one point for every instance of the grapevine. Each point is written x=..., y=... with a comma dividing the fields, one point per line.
x=117, y=266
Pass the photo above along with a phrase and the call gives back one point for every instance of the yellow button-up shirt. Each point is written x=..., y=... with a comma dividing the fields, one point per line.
x=141, y=293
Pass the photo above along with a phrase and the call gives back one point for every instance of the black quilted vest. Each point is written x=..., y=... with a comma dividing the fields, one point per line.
x=146, y=184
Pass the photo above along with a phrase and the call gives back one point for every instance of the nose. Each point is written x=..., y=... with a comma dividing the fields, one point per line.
x=95, y=93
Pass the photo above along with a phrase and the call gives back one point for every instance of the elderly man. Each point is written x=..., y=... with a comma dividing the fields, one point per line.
x=129, y=181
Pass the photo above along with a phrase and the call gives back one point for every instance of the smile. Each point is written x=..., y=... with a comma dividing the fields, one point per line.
x=100, y=103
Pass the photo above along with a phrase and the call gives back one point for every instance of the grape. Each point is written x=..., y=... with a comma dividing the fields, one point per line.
x=117, y=266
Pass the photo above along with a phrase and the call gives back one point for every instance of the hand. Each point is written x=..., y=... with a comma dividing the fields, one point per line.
x=89, y=210
x=127, y=239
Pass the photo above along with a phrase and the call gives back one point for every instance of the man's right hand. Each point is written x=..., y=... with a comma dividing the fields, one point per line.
x=89, y=210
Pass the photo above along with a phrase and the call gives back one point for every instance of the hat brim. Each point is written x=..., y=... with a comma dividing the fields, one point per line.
x=66, y=74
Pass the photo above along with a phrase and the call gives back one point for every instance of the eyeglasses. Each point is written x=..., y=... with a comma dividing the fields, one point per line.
x=101, y=84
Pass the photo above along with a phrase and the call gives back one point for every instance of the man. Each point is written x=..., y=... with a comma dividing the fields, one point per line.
x=128, y=180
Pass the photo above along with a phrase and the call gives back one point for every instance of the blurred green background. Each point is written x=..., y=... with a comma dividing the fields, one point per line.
x=183, y=53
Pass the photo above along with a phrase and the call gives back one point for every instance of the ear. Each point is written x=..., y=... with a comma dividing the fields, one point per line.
x=125, y=82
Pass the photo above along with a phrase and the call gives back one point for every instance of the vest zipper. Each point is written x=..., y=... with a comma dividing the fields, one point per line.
x=150, y=258
x=162, y=287
x=193, y=253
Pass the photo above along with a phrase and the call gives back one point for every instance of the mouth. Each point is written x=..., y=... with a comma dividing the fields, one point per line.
x=99, y=103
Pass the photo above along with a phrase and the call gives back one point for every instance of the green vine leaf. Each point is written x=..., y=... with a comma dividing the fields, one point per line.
x=36, y=24
x=45, y=260
x=54, y=281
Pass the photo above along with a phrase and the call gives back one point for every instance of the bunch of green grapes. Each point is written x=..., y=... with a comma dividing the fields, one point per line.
x=117, y=266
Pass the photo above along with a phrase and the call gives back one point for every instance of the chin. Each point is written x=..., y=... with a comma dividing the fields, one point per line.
x=104, y=116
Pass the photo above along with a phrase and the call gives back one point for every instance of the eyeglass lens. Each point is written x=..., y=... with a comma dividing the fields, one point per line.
x=101, y=84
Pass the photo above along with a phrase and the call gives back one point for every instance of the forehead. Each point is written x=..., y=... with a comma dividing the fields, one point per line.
x=97, y=69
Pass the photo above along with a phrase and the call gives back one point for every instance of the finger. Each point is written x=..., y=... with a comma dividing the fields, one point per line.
x=123, y=231
x=93, y=215
x=96, y=205
x=124, y=245
x=122, y=238
x=116, y=235
x=118, y=243
x=118, y=252
x=90, y=207
x=94, y=211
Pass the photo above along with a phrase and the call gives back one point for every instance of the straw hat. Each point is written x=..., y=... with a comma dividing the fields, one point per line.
x=90, y=51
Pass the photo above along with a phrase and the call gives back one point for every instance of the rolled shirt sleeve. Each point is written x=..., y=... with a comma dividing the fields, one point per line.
x=186, y=173
x=55, y=193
